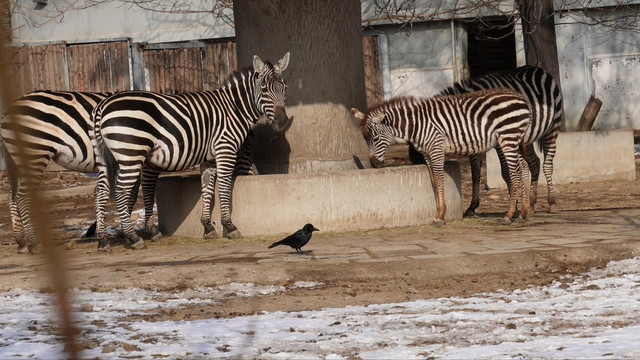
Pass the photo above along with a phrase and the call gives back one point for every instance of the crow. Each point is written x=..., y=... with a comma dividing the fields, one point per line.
x=298, y=239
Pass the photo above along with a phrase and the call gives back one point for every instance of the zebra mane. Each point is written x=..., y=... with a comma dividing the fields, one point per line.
x=236, y=76
x=457, y=88
x=383, y=107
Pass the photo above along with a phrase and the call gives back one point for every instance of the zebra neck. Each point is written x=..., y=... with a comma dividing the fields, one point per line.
x=243, y=90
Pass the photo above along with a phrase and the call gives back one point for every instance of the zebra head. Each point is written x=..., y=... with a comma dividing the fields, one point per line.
x=377, y=135
x=272, y=94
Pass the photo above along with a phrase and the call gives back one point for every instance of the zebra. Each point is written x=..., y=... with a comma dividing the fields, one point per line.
x=543, y=93
x=43, y=126
x=174, y=132
x=37, y=128
x=464, y=124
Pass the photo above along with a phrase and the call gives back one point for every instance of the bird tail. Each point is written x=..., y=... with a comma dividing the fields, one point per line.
x=275, y=244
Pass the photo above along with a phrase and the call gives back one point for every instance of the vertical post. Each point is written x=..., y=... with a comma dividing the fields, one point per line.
x=384, y=66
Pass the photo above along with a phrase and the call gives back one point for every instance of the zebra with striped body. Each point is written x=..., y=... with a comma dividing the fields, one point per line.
x=37, y=128
x=465, y=124
x=543, y=93
x=174, y=132
x=44, y=126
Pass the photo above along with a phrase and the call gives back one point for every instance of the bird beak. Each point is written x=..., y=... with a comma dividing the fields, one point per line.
x=315, y=229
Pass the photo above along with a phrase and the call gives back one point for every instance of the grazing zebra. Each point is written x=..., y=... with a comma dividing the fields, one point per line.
x=174, y=132
x=464, y=124
x=542, y=92
x=37, y=128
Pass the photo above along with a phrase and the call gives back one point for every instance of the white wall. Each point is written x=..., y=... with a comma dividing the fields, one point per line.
x=73, y=21
x=598, y=61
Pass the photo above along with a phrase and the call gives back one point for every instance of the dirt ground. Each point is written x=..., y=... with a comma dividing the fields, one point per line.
x=177, y=263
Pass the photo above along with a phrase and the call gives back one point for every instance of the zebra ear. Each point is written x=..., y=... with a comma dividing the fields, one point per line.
x=282, y=64
x=378, y=118
x=357, y=114
x=258, y=64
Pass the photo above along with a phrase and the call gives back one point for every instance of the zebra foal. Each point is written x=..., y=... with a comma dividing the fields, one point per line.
x=543, y=93
x=175, y=132
x=465, y=124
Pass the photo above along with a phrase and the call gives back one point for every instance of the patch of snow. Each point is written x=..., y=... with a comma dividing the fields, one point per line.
x=594, y=315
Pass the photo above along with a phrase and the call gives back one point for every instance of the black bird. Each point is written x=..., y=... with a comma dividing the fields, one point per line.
x=298, y=239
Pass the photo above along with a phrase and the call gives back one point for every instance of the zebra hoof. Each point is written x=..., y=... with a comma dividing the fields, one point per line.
x=470, y=213
x=157, y=237
x=438, y=222
x=235, y=234
x=520, y=219
x=23, y=249
x=211, y=235
x=505, y=220
x=105, y=249
x=35, y=249
x=138, y=245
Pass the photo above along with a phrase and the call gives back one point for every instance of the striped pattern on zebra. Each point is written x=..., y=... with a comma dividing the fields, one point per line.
x=37, y=128
x=464, y=124
x=175, y=132
x=543, y=93
x=44, y=126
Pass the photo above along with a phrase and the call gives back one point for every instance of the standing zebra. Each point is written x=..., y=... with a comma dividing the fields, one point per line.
x=543, y=93
x=174, y=132
x=37, y=128
x=44, y=126
x=464, y=124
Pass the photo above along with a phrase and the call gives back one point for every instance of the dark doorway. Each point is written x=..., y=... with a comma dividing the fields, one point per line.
x=492, y=47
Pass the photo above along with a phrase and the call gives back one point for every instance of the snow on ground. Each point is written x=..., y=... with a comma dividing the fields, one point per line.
x=594, y=315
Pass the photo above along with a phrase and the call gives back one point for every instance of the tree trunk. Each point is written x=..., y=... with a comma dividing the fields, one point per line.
x=325, y=79
x=538, y=27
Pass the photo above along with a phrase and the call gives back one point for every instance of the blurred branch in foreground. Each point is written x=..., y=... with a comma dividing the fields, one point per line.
x=45, y=241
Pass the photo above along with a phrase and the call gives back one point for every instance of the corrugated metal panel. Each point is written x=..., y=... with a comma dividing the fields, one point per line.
x=38, y=67
x=99, y=67
x=174, y=71
x=218, y=62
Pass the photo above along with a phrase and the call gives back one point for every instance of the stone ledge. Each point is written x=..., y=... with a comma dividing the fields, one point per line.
x=335, y=201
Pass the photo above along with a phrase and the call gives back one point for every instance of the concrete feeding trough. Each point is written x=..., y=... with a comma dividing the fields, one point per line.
x=581, y=157
x=334, y=201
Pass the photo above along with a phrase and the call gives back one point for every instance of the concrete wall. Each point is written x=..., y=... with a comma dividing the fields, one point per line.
x=601, y=61
x=336, y=201
x=580, y=157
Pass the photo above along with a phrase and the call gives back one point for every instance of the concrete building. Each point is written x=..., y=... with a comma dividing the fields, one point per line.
x=438, y=47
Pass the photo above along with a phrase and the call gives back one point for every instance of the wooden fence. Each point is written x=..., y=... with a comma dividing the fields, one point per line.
x=170, y=69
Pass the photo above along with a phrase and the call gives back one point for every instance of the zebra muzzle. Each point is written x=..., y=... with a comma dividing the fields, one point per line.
x=375, y=162
x=281, y=121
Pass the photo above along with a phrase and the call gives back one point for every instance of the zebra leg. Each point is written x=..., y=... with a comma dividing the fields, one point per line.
x=125, y=182
x=523, y=170
x=225, y=163
x=548, y=145
x=16, y=223
x=435, y=164
x=506, y=172
x=24, y=201
x=208, y=181
x=101, y=197
x=476, y=167
x=512, y=159
x=149, y=181
x=533, y=163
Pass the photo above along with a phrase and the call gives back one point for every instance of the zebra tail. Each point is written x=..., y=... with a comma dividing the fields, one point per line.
x=110, y=164
x=12, y=169
x=104, y=154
